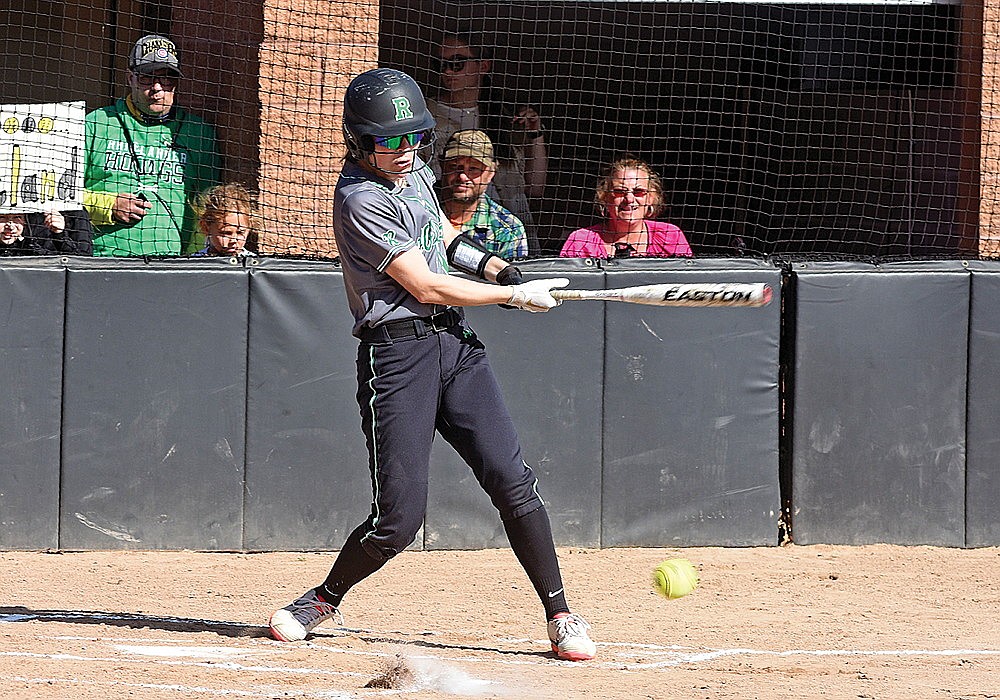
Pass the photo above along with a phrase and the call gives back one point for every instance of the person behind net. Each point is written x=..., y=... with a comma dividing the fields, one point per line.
x=420, y=366
x=45, y=233
x=226, y=216
x=466, y=99
x=630, y=195
x=146, y=157
x=467, y=168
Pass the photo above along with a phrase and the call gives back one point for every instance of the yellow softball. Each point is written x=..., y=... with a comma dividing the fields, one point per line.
x=674, y=578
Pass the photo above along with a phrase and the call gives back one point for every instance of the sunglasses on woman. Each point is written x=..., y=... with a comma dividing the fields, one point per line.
x=638, y=192
x=394, y=143
x=625, y=250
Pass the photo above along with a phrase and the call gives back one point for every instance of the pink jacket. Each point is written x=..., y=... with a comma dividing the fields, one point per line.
x=665, y=241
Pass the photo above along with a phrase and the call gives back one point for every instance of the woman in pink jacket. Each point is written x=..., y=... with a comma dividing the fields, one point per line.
x=630, y=194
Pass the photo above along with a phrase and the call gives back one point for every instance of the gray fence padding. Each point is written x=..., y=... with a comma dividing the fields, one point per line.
x=550, y=369
x=983, y=459
x=690, y=413
x=154, y=398
x=879, y=404
x=308, y=483
x=31, y=362
x=208, y=405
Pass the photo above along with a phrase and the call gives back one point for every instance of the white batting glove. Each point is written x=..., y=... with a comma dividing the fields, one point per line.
x=535, y=296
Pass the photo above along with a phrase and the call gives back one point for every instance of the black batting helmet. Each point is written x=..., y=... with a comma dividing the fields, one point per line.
x=383, y=102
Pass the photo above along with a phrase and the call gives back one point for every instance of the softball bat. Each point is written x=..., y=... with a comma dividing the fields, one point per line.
x=727, y=294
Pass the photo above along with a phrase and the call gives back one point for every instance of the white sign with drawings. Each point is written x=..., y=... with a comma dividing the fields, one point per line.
x=41, y=157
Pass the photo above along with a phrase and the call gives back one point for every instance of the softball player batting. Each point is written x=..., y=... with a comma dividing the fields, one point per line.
x=420, y=366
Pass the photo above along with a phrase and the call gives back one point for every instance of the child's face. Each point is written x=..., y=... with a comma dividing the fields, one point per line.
x=228, y=235
x=11, y=228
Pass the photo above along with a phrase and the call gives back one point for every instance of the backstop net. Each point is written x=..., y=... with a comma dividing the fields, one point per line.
x=840, y=131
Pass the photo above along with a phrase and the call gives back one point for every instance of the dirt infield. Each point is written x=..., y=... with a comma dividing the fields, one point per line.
x=790, y=622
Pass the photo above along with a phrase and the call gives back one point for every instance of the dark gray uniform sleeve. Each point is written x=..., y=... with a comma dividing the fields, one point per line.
x=372, y=227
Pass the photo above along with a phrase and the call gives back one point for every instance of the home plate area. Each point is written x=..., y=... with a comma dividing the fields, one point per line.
x=875, y=621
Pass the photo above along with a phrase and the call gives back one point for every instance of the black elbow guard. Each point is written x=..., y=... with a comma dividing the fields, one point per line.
x=468, y=256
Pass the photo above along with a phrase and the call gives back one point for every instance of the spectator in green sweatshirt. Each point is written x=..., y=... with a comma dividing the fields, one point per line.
x=147, y=158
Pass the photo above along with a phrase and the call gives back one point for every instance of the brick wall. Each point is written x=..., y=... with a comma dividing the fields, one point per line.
x=989, y=225
x=272, y=76
x=310, y=51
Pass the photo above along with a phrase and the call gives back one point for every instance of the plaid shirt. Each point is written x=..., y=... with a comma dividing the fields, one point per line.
x=496, y=229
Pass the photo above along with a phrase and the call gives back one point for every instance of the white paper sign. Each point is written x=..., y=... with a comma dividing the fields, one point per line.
x=41, y=157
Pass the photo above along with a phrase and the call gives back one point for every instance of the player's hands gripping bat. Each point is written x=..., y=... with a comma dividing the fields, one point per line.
x=536, y=295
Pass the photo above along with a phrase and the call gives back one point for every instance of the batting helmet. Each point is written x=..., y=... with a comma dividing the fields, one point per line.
x=383, y=102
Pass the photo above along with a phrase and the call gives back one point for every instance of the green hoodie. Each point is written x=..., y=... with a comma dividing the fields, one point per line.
x=177, y=159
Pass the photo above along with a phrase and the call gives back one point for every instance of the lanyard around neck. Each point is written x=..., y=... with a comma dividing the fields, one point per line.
x=138, y=169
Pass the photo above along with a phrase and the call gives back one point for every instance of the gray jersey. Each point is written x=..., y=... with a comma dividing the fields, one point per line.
x=374, y=221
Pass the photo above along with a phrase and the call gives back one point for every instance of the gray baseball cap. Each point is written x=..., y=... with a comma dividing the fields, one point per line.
x=152, y=53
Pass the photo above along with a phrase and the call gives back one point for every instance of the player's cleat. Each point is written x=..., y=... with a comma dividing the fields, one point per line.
x=294, y=621
x=568, y=634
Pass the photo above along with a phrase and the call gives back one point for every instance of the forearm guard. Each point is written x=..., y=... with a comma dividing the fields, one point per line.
x=468, y=256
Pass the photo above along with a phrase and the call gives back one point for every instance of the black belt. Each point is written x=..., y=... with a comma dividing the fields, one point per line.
x=406, y=328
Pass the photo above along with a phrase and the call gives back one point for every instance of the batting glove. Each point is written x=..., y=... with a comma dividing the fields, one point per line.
x=535, y=296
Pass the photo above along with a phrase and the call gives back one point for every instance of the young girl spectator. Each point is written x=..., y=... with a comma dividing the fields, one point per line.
x=226, y=217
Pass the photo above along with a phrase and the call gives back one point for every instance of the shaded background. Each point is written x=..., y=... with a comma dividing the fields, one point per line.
x=776, y=129
x=799, y=129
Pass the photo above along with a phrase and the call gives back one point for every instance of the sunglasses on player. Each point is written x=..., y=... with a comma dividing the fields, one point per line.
x=394, y=143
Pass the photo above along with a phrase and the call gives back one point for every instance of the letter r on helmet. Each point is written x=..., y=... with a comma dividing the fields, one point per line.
x=403, y=110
